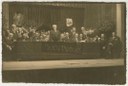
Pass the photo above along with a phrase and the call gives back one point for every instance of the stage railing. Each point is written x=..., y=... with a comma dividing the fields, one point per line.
x=54, y=50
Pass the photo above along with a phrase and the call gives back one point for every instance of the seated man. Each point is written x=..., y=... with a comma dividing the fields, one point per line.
x=37, y=37
x=73, y=35
x=84, y=33
x=25, y=37
x=9, y=41
x=47, y=36
x=20, y=32
x=41, y=38
x=76, y=37
x=62, y=37
x=14, y=29
x=83, y=30
x=54, y=34
x=31, y=34
x=67, y=37
x=81, y=38
x=8, y=45
x=96, y=39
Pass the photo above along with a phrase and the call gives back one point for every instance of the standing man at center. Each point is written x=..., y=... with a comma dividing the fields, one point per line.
x=54, y=34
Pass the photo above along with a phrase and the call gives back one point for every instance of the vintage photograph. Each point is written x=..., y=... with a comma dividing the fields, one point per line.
x=64, y=42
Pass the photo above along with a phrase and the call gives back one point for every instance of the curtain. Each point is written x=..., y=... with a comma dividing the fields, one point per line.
x=88, y=15
x=48, y=15
x=95, y=14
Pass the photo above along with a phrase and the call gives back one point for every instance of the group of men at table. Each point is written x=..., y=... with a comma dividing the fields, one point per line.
x=111, y=46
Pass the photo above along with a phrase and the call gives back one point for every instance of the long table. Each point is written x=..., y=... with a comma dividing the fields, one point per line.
x=54, y=50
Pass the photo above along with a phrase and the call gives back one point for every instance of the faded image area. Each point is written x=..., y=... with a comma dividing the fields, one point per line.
x=64, y=42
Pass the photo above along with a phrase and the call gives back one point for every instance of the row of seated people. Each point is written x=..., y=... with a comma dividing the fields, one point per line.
x=86, y=36
x=22, y=34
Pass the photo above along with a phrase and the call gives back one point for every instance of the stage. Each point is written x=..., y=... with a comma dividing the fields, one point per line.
x=55, y=64
x=88, y=71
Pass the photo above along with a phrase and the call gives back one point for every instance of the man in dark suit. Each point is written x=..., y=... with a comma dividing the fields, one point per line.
x=73, y=35
x=114, y=46
x=103, y=44
x=54, y=34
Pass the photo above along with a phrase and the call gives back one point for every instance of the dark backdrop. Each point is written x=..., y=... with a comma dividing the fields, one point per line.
x=88, y=14
x=37, y=15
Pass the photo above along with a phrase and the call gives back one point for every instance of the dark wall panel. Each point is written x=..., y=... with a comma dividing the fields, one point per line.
x=95, y=14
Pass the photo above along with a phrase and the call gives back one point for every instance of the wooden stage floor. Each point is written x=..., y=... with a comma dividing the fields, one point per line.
x=59, y=64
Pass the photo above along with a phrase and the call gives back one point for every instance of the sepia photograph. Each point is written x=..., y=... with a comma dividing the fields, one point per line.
x=64, y=42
